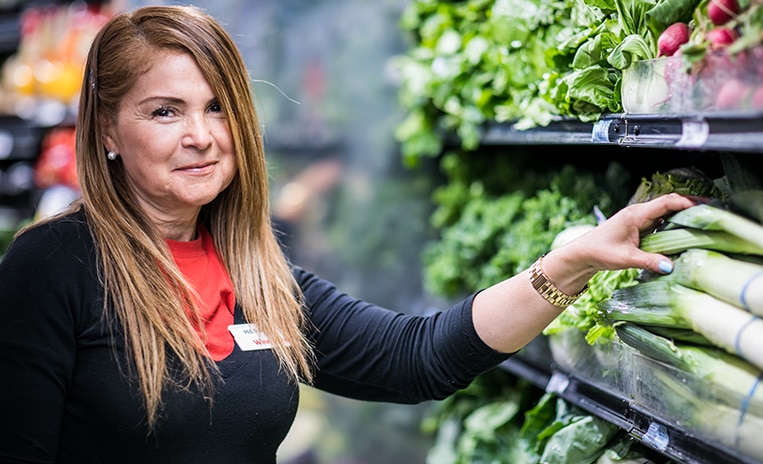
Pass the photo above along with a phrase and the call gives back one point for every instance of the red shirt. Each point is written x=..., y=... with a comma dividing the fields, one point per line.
x=200, y=264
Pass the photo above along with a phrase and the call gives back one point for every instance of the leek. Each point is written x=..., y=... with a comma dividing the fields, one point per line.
x=706, y=217
x=680, y=335
x=729, y=405
x=733, y=426
x=674, y=241
x=667, y=303
x=731, y=280
x=739, y=380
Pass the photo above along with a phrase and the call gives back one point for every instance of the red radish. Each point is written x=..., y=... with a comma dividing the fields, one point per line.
x=721, y=11
x=733, y=95
x=672, y=38
x=720, y=37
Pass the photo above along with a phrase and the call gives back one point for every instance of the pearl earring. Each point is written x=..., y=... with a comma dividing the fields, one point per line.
x=111, y=156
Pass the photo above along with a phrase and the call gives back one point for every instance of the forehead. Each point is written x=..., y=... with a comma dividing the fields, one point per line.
x=169, y=70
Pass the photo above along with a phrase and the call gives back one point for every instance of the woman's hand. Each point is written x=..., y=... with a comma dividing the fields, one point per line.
x=614, y=244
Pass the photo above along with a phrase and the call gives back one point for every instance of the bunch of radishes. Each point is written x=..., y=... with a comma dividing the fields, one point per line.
x=716, y=34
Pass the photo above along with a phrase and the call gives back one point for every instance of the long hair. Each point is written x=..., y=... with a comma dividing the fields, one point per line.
x=149, y=295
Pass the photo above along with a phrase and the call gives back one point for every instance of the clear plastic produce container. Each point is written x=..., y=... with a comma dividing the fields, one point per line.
x=699, y=406
x=719, y=83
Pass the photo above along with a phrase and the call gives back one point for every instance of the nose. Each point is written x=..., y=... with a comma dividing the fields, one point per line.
x=199, y=132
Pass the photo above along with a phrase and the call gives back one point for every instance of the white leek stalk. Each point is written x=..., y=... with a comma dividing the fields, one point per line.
x=673, y=241
x=708, y=217
x=662, y=302
x=728, y=407
x=731, y=280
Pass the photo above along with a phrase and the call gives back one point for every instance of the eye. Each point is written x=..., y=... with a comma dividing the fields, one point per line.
x=163, y=112
x=215, y=107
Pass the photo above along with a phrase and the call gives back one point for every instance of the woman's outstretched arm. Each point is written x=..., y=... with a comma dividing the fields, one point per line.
x=511, y=313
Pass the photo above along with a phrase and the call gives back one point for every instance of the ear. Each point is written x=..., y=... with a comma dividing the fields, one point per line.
x=109, y=142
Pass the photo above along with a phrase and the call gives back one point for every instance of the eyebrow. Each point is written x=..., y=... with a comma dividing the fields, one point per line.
x=172, y=100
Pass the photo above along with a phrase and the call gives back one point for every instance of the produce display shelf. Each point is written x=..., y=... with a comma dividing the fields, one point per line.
x=657, y=433
x=732, y=131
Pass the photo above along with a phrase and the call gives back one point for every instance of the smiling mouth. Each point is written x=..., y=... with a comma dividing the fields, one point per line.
x=200, y=168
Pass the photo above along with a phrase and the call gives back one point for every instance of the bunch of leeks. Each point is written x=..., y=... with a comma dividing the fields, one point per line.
x=731, y=411
x=664, y=302
x=711, y=293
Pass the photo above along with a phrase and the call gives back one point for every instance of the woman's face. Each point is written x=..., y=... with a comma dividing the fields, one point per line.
x=173, y=138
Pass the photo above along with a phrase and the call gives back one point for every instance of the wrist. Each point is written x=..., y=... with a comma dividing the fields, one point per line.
x=561, y=286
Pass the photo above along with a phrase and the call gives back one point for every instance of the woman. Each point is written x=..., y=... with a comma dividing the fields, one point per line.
x=157, y=319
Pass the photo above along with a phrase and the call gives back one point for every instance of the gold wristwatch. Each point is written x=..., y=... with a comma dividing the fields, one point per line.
x=548, y=290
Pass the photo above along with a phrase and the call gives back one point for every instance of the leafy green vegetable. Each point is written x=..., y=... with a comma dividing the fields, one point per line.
x=584, y=315
x=556, y=432
x=732, y=280
x=673, y=241
x=487, y=237
x=481, y=423
x=712, y=218
x=685, y=180
x=527, y=62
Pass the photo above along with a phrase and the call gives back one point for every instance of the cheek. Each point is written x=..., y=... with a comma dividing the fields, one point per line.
x=228, y=155
x=145, y=175
x=147, y=163
x=230, y=168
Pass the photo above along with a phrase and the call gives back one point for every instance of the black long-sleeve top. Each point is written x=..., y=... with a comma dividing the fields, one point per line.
x=67, y=394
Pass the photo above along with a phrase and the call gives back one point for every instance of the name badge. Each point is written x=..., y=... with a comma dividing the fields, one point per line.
x=248, y=338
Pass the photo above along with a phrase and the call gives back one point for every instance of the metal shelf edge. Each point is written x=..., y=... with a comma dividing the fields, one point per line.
x=742, y=132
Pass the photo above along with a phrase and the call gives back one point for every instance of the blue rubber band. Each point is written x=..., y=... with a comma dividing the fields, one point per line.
x=738, y=338
x=746, y=400
x=743, y=292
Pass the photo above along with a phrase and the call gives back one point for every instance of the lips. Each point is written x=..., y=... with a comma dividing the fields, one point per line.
x=206, y=166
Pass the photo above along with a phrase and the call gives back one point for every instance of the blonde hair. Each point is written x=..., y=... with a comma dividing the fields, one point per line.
x=141, y=280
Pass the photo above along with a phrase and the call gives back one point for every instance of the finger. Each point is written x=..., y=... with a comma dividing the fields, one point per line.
x=653, y=212
x=669, y=203
x=655, y=262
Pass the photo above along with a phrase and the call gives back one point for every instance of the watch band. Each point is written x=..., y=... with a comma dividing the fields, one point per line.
x=543, y=285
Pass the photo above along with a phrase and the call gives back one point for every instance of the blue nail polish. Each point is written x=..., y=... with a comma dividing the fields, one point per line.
x=666, y=267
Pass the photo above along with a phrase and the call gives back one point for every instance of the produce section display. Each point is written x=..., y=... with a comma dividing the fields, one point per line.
x=530, y=63
x=48, y=63
x=487, y=81
x=40, y=77
x=683, y=349
x=500, y=418
x=686, y=346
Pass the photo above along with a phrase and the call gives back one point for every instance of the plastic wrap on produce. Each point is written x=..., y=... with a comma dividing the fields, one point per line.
x=719, y=83
x=694, y=404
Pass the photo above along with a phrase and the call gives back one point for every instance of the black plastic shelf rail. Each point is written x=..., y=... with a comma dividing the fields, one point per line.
x=656, y=433
x=729, y=131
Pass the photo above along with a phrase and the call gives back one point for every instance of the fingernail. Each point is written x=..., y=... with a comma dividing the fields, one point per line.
x=666, y=267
